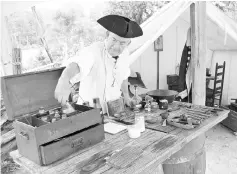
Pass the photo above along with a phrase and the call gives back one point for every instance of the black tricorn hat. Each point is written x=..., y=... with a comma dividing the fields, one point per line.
x=121, y=26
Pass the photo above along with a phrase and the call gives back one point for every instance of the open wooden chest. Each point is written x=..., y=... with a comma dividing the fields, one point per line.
x=41, y=141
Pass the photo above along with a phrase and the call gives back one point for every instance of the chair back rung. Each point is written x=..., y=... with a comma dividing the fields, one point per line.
x=219, y=74
x=218, y=89
x=220, y=66
x=217, y=94
x=219, y=81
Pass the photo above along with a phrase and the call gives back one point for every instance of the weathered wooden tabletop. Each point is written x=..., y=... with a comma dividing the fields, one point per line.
x=120, y=154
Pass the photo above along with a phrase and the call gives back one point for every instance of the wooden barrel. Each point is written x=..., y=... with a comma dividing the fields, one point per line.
x=191, y=159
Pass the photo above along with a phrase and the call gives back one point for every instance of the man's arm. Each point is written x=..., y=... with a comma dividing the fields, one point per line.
x=63, y=88
x=70, y=71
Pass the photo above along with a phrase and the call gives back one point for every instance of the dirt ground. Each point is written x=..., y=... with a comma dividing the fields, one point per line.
x=221, y=150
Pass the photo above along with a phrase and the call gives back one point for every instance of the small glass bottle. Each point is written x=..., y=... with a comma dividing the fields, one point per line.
x=136, y=99
x=41, y=111
x=139, y=119
x=64, y=116
x=57, y=115
x=148, y=107
x=53, y=120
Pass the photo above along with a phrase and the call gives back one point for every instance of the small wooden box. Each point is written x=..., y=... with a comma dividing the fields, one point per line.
x=172, y=79
x=116, y=106
x=43, y=142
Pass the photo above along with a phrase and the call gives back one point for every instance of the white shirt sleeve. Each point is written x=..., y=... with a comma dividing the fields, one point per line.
x=125, y=66
x=85, y=61
x=127, y=74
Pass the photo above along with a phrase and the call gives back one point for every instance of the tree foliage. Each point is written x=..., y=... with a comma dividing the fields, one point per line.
x=23, y=29
x=70, y=30
x=138, y=11
x=228, y=7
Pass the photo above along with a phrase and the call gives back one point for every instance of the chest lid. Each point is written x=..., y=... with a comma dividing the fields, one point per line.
x=26, y=93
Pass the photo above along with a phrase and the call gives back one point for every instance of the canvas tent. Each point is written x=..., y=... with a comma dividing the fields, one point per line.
x=173, y=22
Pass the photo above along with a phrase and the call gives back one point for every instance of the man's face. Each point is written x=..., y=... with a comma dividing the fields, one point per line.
x=116, y=44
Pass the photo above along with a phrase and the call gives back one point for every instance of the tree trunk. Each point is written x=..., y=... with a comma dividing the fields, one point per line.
x=42, y=30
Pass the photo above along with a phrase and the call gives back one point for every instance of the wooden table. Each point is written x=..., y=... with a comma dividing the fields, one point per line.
x=149, y=151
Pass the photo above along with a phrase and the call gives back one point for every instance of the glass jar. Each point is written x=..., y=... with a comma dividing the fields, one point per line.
x=163, y=104
x=139, y=120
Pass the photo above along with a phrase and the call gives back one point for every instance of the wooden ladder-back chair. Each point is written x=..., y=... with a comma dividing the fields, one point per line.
x=216, y=92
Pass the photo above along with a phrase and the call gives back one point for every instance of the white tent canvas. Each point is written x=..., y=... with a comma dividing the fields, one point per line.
x=173, y=22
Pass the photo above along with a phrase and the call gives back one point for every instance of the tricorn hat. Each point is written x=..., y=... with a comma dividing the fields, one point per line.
x=121, y=26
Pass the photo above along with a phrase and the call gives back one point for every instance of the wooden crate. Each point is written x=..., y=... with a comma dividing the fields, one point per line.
x=231, y=120
x=40, y=141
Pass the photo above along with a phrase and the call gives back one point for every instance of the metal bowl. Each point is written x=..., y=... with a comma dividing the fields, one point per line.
x=163, y=94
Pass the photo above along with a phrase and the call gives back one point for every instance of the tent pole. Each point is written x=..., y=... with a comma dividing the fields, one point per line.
x=198, y=51
x=158, y=69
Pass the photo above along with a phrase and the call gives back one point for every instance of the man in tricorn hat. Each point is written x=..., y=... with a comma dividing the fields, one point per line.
x=101, y=68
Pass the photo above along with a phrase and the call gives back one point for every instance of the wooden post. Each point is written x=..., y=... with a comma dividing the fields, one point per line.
x=198, y=51
x=158, y=69
x=16, y=60
x=158, y=46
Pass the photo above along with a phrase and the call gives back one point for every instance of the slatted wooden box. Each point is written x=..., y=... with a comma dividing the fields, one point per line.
x=39, y=141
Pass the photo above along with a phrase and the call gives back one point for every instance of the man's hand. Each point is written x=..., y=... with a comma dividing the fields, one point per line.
x=63, y=88
x=128, y=101
x=62, y=91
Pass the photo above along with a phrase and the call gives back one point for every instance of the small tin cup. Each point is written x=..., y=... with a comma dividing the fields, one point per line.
x=163, y=104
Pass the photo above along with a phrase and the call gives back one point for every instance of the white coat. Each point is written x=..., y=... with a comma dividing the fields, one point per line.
x=98, y=70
